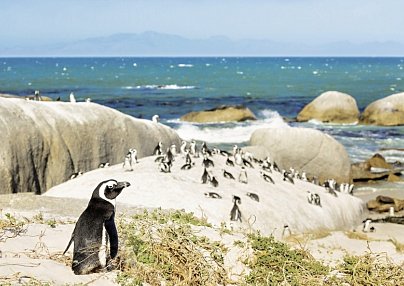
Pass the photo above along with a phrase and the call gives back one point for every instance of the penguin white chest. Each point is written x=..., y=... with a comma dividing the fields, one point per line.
x=102, y=253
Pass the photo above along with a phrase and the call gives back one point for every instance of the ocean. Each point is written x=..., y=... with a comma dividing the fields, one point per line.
x=273, y=88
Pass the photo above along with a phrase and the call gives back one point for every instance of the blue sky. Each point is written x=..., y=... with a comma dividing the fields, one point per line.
x=305, y=21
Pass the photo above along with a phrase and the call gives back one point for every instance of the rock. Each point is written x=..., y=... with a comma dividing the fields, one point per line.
x=383, y=204
x=388, y=111
x=220, y=114
x=331, y=106
x=304, y=149
x=378, y=161
x=43, y=143
x=393, y=178
x=375, y=168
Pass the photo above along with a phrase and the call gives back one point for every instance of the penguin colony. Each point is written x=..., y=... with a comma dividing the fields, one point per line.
x=238, y=165
x=101, y=209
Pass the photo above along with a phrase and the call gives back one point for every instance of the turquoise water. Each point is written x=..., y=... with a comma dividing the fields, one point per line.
x=171, y=87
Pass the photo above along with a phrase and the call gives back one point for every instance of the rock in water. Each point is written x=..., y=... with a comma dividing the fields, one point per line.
x=43, y=143
x=220, y=114
x=388, y=111
x=331, y=106
x=304, y=149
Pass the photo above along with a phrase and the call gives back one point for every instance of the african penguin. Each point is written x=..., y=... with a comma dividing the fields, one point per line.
x=267, y=177
x=253, y=196
x=213, y=195
x=158, y=150
x=242, y=178
x=156, y=118
x=94, y=228
x=235, y=214
x=75, y=175
x=228, y=175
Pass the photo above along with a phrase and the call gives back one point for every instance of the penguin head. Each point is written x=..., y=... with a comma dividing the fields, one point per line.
x=108, y=190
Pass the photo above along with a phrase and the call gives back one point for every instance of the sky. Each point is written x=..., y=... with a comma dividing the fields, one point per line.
x=24, y=22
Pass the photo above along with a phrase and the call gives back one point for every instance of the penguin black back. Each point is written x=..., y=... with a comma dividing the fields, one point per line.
x=94, y=228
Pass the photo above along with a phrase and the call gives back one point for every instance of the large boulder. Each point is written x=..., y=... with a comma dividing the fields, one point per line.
x=303, y=149
x=220, y=114
x=43, y=143
x=388, y=111
x=331, y=106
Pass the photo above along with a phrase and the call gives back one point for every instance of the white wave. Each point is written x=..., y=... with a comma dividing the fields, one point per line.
x=185, y=65
x=163, y=86
x=318, y=122
x=174, y=86
x=229, y=132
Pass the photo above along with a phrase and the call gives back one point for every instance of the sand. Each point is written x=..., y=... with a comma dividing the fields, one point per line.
x=37, y=253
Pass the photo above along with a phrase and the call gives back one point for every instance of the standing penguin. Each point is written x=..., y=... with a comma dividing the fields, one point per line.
x=242, y=178
x=94, y=228
x=235, y=214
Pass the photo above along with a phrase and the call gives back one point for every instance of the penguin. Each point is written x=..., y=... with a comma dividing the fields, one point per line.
x=207, y=162
x=238, y=159
x=288, y=177
x=130, y=158
x=267, y=178
x=275, y=167
x=188, y=159
x=88, y=99
x=183, y=147
x=213, y=181
x=72, y=98
x=193, y=150
x=224, y=153
x=366, y=225
x=235, y=214
x=266, y=166
x=242, y=178
x=186, y=166
x=204, y=176
x=303, y=177
x=169, y=155
x=58, y=99
x=228, y=175
x=159, y=159
x=331, y=191
x=37, y=96
x=158, y=150
x=317, y=201
x=75, y=175
x=156, y=118
x=213, y=195
x=229, y=162
x=247, y=163
x=165, y=167
x=103, y=165
x=253, y=196
x=205, y=149
x=94, y=228
x=286, y=230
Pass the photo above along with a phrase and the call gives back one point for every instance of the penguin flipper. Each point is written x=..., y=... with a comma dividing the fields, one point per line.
x=110, y=227
x=70, y=242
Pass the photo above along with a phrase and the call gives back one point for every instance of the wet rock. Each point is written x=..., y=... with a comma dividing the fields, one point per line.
x=222, y=113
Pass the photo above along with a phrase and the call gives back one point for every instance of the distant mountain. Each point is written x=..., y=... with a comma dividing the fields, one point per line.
x=157, y=44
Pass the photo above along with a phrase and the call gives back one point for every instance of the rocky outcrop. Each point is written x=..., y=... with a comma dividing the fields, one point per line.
x=303, y=149
x=383, y=204
x=43, y=143
x=220, y=114
x=388, y=111
x=331, y=106
x=375, y=168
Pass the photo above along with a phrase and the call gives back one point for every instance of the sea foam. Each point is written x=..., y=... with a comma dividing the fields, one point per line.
x=229, y=132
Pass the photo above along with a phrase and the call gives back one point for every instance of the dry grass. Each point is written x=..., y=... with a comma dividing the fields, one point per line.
x=161, y=247
x=357, y=235
x=399, y=246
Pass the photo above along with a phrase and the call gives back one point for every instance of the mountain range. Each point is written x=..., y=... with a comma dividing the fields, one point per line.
x=159, y=44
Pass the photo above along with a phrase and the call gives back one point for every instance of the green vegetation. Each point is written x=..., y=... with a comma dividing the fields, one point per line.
x=275, y=262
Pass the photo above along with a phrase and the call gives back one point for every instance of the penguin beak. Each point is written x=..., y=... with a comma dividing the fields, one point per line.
x=122, y=185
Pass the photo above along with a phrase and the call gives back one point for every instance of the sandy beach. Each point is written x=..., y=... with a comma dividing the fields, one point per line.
x=36, y=252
